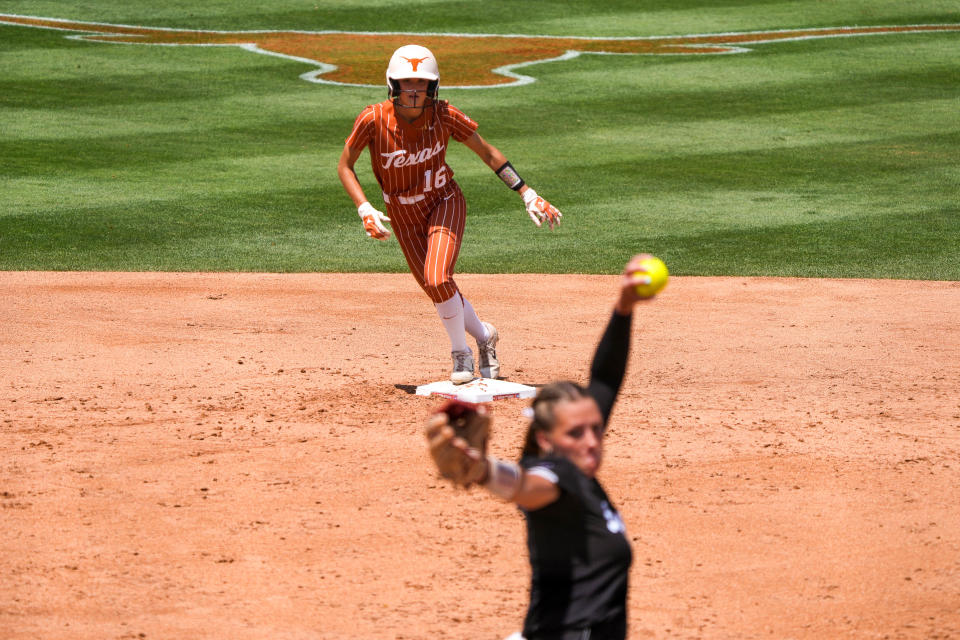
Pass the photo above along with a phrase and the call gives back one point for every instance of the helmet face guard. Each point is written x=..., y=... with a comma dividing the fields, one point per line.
x=412, y=62
x=393, y=88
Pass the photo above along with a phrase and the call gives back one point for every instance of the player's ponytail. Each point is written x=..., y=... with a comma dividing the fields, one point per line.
x=544, y=417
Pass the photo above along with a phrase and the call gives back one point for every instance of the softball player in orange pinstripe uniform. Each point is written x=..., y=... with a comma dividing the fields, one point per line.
x=407, y=136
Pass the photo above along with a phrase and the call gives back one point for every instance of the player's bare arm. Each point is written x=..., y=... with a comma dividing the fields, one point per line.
x=348, y=177
x=372, y=218
x=538, y=209
x=490, y=155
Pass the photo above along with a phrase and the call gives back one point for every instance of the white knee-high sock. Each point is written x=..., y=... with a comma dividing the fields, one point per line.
x=451, y=314
x=471, y=322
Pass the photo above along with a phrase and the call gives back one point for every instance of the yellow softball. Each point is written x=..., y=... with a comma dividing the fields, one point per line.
x=656, y=270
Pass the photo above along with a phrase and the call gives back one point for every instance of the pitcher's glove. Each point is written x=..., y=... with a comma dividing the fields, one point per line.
x=458, y=433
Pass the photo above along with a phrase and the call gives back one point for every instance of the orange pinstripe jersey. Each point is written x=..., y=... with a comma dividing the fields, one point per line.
x=409, y=160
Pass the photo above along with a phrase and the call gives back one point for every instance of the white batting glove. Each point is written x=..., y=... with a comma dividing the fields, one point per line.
x=540, y=210
x=373, y=221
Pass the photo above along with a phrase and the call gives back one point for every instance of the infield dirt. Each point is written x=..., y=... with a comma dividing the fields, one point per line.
x=241, y=456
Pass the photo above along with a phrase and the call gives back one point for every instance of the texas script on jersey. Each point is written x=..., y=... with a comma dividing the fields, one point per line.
x=399, y=158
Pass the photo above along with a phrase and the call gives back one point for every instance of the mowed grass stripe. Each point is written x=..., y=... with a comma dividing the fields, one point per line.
x=202, y=146
x=294, y=115
x=829, y=164
x=208, y=178
x=52, y=123
x=123, y=89
x=916, y=247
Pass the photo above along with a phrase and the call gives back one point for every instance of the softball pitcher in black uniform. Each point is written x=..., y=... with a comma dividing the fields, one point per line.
x=579, y=552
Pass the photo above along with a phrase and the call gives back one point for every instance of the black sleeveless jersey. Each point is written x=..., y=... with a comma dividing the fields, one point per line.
x=579, y=552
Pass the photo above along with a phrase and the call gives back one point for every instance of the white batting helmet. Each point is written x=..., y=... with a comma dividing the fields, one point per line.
x=413, y=61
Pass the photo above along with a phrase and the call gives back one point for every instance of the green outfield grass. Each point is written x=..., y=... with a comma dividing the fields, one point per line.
x=832, y=157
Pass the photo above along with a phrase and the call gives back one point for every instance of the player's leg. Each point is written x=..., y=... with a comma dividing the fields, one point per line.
x=445, y=233
x=451, y=315
x=445, y=226
x=471, y=321
x=487, y=338
x=413, y=240
x=447, y=222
